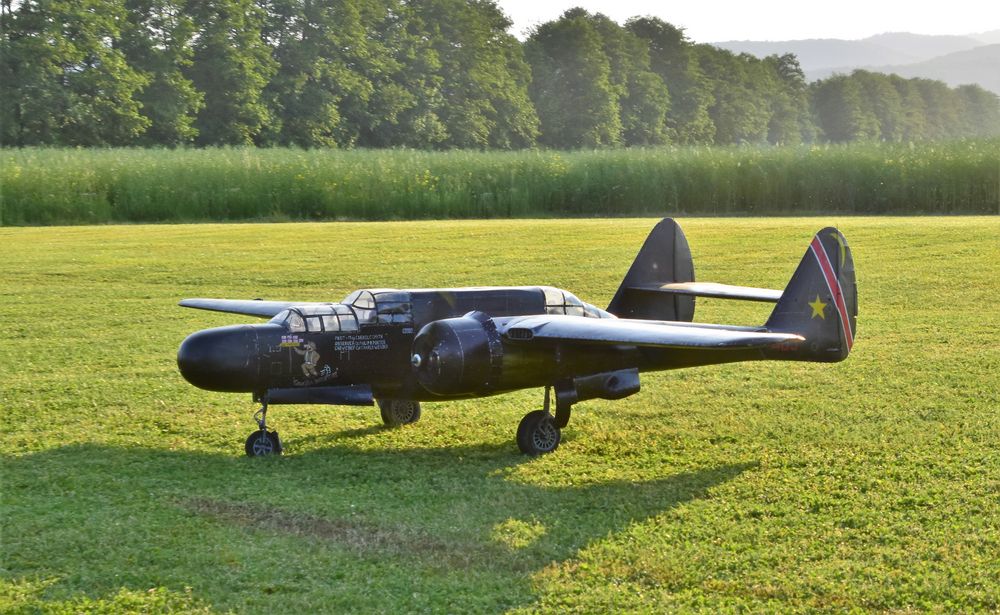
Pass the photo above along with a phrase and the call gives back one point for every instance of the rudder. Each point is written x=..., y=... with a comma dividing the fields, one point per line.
x=664, y=258
x=820, y=302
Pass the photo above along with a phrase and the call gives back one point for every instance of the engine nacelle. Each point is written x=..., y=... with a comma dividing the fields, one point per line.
x=459, y=356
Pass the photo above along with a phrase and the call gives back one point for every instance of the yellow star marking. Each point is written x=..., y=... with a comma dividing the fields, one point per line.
x=843, y=247
x=818, y=306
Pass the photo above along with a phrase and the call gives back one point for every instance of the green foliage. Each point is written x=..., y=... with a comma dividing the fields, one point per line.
x=643, y=99
x=571, y=84
x=980, y=110
x=913, y=122
x=401, y=109
x=614, y=96
x=426, y=74
x=644, y=110
x=313, y=45
x=869, y=485
x=791, y=121
x=878, y=94
x=231, y=67
x=63, y=84
x=156, y=41
x=942, y=107
x=841, y=113
x=51, y=186
x=740, y=111
x=483, y=75
x=673, y=59
x=866, y=106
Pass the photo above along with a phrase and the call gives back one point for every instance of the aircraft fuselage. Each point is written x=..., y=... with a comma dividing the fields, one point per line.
x=371, y=340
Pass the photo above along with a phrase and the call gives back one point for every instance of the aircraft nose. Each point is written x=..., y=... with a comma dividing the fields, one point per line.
x=222, y=359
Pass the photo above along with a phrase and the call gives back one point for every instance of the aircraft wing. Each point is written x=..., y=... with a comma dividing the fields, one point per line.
x=256, y=307
x=652, y=333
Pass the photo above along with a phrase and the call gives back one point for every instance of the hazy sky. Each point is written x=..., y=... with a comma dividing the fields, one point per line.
x=719, y=20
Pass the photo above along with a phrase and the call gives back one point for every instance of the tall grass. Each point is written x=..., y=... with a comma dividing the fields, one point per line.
x=65, y=186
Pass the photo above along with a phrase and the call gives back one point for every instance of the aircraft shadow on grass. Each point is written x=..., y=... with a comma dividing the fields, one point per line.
x=142, y=518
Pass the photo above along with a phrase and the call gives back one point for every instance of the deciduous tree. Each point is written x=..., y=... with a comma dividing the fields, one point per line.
x=156, y=41
x=65, y=81
x=231, y=67
x=571, y=85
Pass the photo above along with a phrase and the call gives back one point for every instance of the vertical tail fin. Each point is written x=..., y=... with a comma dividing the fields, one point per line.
x=820, y=302
x=664, y=258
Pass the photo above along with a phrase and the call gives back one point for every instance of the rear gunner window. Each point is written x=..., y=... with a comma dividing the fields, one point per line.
x=394, y=308
x=561, y=302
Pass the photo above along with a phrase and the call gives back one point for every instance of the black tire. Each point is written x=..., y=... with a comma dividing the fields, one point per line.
x=262, y=443
x=537, y=433
x=397, y=412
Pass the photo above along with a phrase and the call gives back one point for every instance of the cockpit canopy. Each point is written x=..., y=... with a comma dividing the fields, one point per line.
x=317, y=318
x=558, y=301
x=381, y=306
x=386, y=306
x=362, y=307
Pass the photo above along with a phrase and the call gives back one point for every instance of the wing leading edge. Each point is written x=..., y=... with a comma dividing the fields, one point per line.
x=650, y=333
x=261, y=309
x=713, y=289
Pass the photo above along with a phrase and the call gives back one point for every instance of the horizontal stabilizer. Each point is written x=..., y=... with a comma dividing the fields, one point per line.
x=711, y=289
x=658, y=334
x=262, y=309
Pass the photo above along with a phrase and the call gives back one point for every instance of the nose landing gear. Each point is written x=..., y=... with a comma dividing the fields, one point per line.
x=262, y=442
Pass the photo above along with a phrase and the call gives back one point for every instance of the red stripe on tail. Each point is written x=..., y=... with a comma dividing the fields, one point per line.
x=833, y=283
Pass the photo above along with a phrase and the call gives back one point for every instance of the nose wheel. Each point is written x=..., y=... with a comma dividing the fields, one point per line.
x=262, y=442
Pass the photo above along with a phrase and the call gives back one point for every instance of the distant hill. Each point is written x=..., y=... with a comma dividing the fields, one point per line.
x=816, y=55
x=990, y=38
x=956, y=60
x=980, y=65
x=823, y=53
x=921, y=46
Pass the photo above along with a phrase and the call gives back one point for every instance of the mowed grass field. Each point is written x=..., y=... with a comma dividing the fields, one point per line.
x=872, y=484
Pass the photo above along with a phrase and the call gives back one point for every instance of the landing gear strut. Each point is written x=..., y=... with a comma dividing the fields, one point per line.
x=539, y=432
x=262, y=442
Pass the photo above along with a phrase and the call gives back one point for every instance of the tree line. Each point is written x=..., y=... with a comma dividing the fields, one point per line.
x=429, y=74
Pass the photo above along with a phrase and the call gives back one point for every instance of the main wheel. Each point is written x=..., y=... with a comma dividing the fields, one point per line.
x=262, y=443
x=396, y=412
x=537, y=433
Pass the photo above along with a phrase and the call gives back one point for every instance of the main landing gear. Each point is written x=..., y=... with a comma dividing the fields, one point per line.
x=539, y=432
x=398, y=412
x=262, y=442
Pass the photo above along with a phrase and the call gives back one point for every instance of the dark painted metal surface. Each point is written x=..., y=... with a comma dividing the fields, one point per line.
x=223, y=359
x=439, y=344
x=346, y=395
